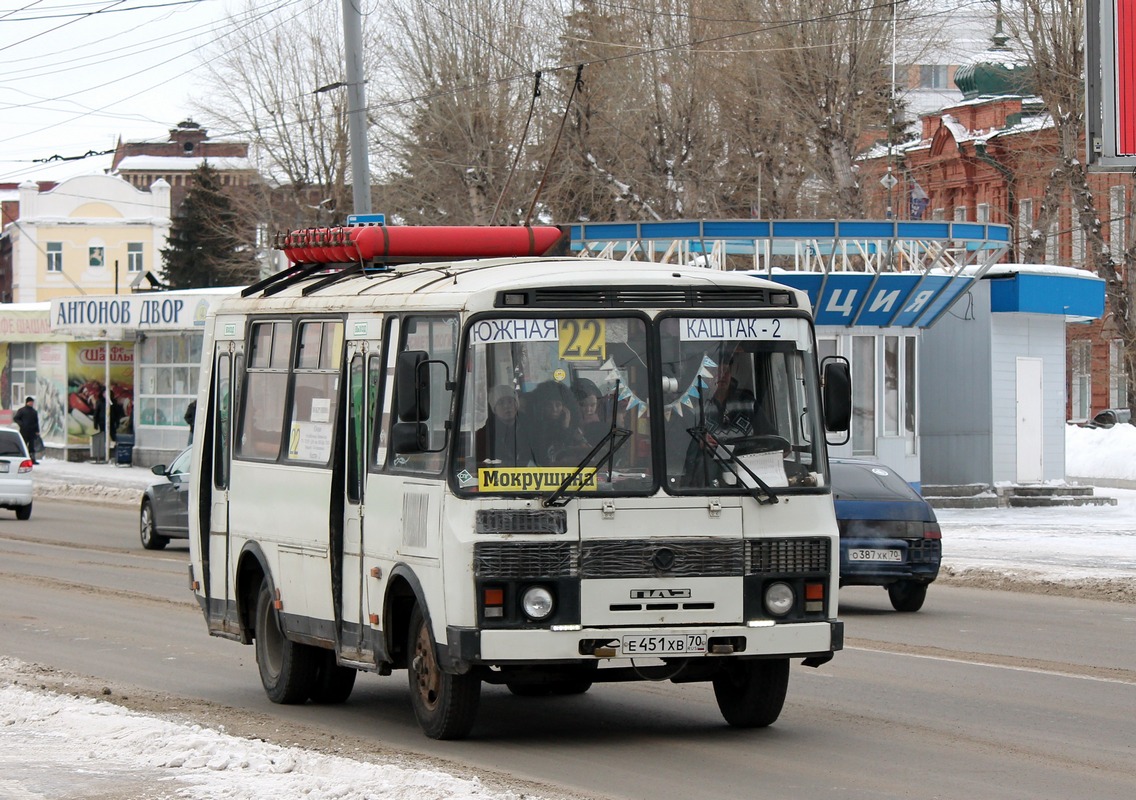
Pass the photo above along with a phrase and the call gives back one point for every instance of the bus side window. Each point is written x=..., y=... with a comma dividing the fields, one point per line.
x=266, y=383
x=374, y=386
x=390, y=355
x=437, y=337
x=223, y=403
x=315, y=391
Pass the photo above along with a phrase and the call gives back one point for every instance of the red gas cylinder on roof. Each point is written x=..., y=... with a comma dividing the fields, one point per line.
x=408, y=243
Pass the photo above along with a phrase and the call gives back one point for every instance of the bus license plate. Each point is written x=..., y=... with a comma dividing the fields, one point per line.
x=664, y=645
x=872, y=554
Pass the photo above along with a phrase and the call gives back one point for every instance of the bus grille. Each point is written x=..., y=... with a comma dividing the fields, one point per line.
x=513, y=560
x=680, y=558
x=787, y=556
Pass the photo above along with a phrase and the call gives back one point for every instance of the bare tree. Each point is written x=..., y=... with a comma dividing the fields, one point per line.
x=460, y=94
x=1052, y=32
x=276, y=77
x=829, y=66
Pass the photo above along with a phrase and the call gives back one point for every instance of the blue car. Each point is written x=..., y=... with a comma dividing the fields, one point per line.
x=888, y=534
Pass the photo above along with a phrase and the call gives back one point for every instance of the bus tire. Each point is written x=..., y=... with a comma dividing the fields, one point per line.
x=333, y=683
x=444, y=704
x=751, y=693
x=287, y=669
x=907, y=595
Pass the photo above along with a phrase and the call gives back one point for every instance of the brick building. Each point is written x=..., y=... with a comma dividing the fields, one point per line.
x=987, y=159
x=174, y=161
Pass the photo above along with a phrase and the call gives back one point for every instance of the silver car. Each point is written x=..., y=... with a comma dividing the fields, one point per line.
x=165, y=504
x=15, y=474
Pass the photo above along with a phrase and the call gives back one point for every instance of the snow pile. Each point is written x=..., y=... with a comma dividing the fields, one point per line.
x=1102, y=453
x=48, y=739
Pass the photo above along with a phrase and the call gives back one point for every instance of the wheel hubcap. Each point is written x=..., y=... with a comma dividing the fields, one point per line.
x=425, y=668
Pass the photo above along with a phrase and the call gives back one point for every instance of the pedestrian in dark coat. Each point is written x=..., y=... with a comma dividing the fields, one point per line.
x=27, y=418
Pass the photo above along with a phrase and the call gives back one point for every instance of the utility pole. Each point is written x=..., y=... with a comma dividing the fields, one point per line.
x=356, y=107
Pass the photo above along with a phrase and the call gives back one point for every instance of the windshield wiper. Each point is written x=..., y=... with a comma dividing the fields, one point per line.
x=614, y=439
x=762, y=492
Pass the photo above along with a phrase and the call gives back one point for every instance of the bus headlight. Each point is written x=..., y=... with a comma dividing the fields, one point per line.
x=537, y=603
x=779, y=599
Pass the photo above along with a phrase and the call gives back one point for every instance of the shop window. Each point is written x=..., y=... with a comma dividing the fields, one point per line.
x=168, y=370
x=863, y=395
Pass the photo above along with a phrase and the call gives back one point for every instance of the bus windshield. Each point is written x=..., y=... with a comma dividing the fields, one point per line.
x=541, y=393
x=741, y=406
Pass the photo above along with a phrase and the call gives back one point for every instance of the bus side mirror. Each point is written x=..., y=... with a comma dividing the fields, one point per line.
x=836, y=377
x=410, y=437
x=412, y=380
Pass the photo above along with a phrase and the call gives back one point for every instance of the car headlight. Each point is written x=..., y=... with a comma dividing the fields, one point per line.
x=779, y=599
x=537, y=602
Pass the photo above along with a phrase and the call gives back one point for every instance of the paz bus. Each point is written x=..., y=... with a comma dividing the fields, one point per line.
x=440, y=450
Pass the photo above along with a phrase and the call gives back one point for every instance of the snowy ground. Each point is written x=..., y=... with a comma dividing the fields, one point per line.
x=55, y=746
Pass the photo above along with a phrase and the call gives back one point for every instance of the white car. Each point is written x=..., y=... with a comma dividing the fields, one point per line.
x=15, y=474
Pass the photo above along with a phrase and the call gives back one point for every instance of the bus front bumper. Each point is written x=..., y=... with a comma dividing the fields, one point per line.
x=468, y=646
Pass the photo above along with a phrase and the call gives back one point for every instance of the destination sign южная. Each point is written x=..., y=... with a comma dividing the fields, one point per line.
x=490, y=331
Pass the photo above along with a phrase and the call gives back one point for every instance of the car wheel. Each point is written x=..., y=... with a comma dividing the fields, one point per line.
x=333, y=683
x=907, y=595
x=148, y=531
x=288, y=670
x=24, y=512
x=751, y=693
x=445, y=704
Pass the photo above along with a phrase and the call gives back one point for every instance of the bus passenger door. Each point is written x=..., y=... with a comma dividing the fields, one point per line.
x=227, y=357
x=362, y=391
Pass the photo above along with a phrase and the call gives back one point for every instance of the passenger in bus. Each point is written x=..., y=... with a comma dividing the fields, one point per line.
x=505, y=437
x=592, y=413
x=554, y=429
x=730, y=414
x=730, y=411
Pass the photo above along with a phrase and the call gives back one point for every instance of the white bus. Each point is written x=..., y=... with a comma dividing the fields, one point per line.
x=536, y=472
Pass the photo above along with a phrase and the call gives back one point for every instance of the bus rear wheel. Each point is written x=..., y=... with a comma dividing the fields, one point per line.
x=751, y=693
x=444, y=704
x=288, y=670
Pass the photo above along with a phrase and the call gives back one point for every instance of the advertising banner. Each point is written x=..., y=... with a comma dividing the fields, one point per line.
x=86, y=377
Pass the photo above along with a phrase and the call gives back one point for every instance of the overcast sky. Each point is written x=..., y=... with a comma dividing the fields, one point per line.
x=79, y=74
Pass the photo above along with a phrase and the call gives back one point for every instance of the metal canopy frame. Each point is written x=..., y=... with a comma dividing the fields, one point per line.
x=960, y=252
x=826, y=246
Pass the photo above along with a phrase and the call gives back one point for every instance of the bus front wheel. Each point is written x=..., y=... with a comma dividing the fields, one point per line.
x=288, y=670
x=444, y=704
x=751, y=693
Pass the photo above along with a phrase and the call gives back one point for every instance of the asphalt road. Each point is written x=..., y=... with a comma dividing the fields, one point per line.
x=983, y=694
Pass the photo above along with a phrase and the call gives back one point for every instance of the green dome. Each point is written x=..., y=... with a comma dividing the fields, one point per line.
x=997, y=72
x=993, y=78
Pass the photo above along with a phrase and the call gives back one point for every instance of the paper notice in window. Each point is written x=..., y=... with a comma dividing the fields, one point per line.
x=321, y=409
x=769, y=466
